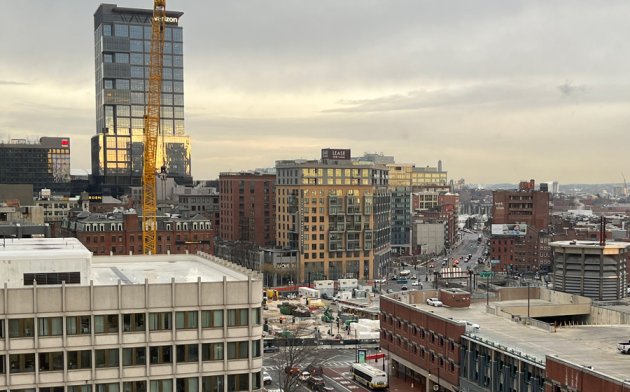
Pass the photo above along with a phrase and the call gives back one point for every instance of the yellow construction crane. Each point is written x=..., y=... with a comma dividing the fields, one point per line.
x=151, y=129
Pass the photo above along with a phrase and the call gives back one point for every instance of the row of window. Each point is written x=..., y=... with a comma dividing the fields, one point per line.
x=140, y=32
x=131, y=356
x=132, y=322
x=235, y=382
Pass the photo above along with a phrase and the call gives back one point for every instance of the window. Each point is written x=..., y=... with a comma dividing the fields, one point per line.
x=238, y=382
x=256, y=381
x=186, y=320
x=212, y=384
x=187, y=353
x=50, y=326
x=161, y=354
x=80, y=359
x=51, y=361
x=134, y=386
x=52, y=278
x=237, y=350
x=190, y=384
x=107, y=323
x=160, y=321
x=237, y=317
x=106, y=357
x=212, y=318
x=165, y=385
x=45, y=389
x=79, y=388
x=212, y=351
x=256, y=316
x=121, y=58
x=78, y=325
x=121, y=30
x=134, y=356
x=22, y=363
x=107, y=30
x=256, y=348
x=21, y=328
x=133, y=322
x=109, y=387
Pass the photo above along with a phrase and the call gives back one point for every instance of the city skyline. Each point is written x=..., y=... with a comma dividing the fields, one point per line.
x=483, y=87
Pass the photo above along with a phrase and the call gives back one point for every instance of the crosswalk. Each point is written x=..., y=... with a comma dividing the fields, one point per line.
x=345, y=382
x=333, y=364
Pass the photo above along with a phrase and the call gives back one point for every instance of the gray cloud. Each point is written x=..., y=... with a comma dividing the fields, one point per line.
x=12, y=83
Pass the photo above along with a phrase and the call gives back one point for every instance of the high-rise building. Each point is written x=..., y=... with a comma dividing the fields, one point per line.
x=247, y=204
x=122, y=42
x=45, y=163
x=336, y=213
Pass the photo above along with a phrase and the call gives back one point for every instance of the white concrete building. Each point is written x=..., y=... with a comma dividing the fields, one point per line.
x=182, y=323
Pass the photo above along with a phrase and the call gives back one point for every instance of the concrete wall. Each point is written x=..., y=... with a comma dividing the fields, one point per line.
x=602, y=316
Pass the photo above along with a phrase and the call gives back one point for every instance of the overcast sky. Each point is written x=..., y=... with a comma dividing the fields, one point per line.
x=500, y=91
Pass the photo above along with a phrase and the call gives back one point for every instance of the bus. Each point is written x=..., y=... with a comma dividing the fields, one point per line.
x=369, y=376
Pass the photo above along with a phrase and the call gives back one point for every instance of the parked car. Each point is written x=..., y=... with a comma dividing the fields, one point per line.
x=624, y=347
x=389, y=291
x=271, y=349
x=403, y=288
x=416, y=283
x=267, y=378
x=434, y=302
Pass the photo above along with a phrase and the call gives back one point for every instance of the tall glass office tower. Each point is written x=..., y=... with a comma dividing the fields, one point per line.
x=122, y=41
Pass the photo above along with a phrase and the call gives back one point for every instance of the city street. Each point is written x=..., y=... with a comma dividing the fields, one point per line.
x=336, y=364
x=467, y=245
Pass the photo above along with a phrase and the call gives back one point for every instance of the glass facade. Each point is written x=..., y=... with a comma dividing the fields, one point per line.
x=45, y=164
x=122, y=42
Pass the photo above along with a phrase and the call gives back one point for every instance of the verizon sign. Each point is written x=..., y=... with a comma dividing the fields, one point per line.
x=336, y=153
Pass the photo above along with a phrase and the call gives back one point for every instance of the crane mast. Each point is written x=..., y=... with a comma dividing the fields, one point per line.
x=151, y=129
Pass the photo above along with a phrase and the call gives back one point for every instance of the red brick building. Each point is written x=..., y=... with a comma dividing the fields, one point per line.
x=422, y=347
x=526, y=211
x=120, y=233
x=247, y=208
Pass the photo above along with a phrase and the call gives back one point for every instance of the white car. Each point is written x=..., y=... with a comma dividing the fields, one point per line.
x=267, y=378
x=434, y=302
x=416, y=283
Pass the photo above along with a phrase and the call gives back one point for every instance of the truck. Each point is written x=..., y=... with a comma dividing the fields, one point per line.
x=307, y=292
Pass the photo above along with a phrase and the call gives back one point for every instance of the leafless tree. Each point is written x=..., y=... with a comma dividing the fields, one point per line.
x=294, y=357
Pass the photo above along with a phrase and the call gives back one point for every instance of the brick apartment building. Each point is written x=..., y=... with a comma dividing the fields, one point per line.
x=247, y=205
x=520, y=226
x=120, y=233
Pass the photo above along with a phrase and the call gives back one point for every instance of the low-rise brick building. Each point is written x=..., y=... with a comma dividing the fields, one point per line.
x=120, y=232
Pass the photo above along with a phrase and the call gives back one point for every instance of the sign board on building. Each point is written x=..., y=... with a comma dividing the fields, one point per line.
x=336, y=153
x=495, y=261
x=509, y=229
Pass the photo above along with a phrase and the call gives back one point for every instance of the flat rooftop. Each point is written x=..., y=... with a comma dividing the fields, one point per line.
x=52, y=253
x=108, y=270
x=24, y=248
x=594, y=346
x=591, y=244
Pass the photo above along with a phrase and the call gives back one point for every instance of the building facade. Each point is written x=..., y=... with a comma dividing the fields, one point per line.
x=122, y=40
x=114, y=324
x=520, y=227
x=120, y=233
x=247, y=206
x=336, y=213
x=45, y=163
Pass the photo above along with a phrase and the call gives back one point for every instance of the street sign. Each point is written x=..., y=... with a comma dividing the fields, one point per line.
x=495, y=261
x=486, y=274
